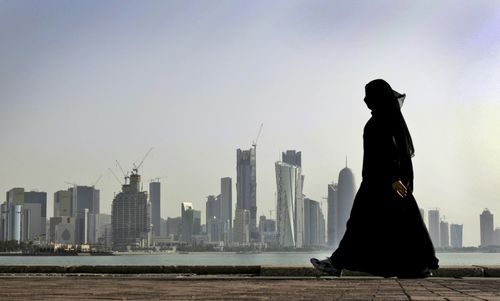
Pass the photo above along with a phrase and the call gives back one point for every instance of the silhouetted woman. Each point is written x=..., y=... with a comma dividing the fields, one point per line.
x=385, y=233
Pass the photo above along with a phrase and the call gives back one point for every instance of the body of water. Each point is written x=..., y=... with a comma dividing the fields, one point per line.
x=224, y=258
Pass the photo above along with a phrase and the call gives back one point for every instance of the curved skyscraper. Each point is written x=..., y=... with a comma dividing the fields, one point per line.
x=290, y=201
x=346, y=192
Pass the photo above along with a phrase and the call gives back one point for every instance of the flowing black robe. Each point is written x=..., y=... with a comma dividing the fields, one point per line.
x=385, y=234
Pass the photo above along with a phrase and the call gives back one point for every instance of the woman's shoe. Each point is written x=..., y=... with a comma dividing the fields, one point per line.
x=326, y=266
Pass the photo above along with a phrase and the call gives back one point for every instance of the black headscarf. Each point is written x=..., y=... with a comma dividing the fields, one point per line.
x=383, y=101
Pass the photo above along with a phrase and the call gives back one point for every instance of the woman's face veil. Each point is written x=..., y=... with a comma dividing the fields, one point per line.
x=386, y=104
x=379, y=96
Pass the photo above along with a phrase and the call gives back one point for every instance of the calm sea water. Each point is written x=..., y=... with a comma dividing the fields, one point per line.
x=226, y=258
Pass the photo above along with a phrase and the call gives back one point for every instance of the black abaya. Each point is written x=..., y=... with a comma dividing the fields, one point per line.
x=385, y=233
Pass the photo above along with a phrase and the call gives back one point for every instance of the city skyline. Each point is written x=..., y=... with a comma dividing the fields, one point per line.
x=82, y=81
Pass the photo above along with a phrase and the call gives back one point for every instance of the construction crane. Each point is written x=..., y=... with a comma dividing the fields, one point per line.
x=136, y=167
x=97, y=181
x=254, y=143
x=125, y=175
x=115, y=176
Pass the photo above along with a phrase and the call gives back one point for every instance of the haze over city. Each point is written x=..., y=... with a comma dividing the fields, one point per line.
x=86, y=83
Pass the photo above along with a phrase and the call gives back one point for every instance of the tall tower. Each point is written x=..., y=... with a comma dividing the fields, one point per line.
x=486, y=222
x=333, y=215
x=434, y=220
x=444, y=234
x=289, y=203
x=130, y=219
x=226, y=206
x=346, y=192
x=155, y=200
x=246, y=186
x=456, y=235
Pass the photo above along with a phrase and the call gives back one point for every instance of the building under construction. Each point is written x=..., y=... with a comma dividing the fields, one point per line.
x=130, y=216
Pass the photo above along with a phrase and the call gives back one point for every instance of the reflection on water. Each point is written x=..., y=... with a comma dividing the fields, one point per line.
x=229, y=258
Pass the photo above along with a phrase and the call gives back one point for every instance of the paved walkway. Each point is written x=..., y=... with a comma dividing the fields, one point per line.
x=240, y=288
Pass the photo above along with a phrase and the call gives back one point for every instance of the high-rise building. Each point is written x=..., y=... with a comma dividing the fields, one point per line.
x=85, y=205
x=456, y=234
x=333, y=218
x=241, y=230
x=444, y=236
x=3, y=221
x=187, y=225
x=214, y=223
x=496, y=237
x=155, y=200
x=102, y=226
x=174, y=226
x=14, y=207
x=433, y=225
x=130, y=216
x=314, y=232
x=486, y=222
x=346, y=192
x=290, y=205
x=267, y=228
x=35, y=215
x=246, y=186
x=226, y=206
x=62, y=203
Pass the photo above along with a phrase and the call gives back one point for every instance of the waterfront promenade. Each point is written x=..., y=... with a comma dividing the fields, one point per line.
x=245, y=288
x=238, y=282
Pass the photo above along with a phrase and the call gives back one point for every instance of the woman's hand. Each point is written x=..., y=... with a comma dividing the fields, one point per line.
x=400, y=189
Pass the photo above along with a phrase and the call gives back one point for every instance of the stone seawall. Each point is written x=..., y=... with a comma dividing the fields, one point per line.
x=250, y=270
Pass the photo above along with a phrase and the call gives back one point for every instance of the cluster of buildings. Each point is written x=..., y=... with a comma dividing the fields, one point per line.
x=136, y=223
x=76, y=218
x=443, y=234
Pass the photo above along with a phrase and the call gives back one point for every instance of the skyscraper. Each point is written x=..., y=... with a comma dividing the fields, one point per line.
x=191, y=222
x=241, y=229
x=333, y=202
x=214, y=223
x=314, y=224
x=35, y=215
x=130, y=219
x=84, y=198
x=226, y=206
x=246, y=186
x=155, y=200
x=486, y=222
x=290, y=204
x=444, y=236
x=346, y=192
x=456, y=232
x=62, y=203
x=434, y=226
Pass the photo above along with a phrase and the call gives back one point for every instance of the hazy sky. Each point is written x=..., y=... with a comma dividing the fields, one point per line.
x=83, y=83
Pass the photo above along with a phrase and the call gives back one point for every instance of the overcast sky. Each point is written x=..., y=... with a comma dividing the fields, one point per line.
x=85, y=83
